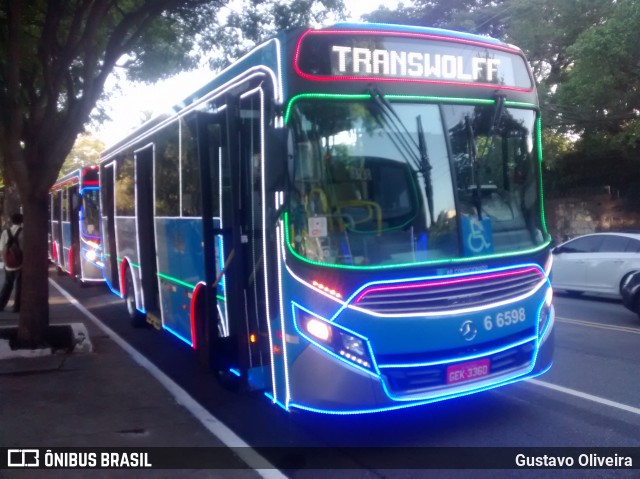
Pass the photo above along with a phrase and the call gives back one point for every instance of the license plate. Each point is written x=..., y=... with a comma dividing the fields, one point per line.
x=467, y=371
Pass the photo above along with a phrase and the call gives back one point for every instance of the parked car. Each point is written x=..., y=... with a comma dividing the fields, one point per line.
x=631, y=292
x=596, y=263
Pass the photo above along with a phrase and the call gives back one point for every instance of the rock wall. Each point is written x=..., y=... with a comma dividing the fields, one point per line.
x=577, y=215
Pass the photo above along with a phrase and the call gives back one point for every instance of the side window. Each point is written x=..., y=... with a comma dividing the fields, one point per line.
x=587, y=244
x=633, y=246
x=125, y=188
x=613, y=244
x=65, y=204
x=167, y=172
x=191, y=202
x=56, y=206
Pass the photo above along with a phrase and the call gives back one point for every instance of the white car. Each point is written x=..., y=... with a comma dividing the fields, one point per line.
x=595, y=263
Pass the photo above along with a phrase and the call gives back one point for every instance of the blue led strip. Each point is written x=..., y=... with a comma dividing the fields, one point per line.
x=375, y=373
x=518, y=375
x=460, y=359
x=417, y=403
x=177, y=335
x=348, y=302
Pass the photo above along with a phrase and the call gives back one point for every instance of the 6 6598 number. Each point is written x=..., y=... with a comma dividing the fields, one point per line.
x=505, y=319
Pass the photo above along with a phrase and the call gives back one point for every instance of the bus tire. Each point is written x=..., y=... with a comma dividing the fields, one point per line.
x=137, y=318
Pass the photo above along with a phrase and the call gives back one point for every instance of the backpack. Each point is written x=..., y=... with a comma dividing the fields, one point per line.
x=12, y=252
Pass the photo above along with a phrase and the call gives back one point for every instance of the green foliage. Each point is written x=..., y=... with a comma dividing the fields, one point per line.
x=86, y=151
x=250, y=22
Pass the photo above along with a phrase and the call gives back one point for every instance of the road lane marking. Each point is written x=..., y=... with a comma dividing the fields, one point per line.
x=229, y=438
x=588, y=397
x=591, y=324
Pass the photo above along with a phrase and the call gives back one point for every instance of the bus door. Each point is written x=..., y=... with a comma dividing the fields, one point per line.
x=74, y=220
x=228, y=143
x=108, y=226
x=145, y=228
x=56, y=227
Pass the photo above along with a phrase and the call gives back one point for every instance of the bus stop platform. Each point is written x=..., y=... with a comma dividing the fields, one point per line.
x=97, y=396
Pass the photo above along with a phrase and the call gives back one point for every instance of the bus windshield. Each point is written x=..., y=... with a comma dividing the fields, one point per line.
x=91, y=213
x=359, y=196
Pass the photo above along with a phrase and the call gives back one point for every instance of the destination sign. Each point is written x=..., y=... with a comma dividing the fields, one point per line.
x=323, y=56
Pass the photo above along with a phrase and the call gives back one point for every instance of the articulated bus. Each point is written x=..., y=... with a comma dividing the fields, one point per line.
x=74, y=225
x=348, y=218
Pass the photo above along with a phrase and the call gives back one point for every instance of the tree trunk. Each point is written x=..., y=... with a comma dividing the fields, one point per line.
x=34, y=308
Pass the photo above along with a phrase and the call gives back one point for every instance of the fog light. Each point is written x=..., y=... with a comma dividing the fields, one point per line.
x=352, y=344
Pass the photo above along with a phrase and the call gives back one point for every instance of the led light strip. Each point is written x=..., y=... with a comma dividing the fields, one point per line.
x=463, y=279
x=424, y=36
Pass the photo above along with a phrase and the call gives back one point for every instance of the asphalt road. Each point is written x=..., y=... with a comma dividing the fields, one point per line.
x=590, y=398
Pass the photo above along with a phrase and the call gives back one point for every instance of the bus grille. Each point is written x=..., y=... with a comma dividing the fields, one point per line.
x=412, y=380
x=445, y=295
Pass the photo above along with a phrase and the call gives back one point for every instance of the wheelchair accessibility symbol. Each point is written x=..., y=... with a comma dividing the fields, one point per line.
x=477, y=236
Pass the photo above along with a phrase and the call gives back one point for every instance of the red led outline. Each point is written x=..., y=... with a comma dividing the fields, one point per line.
x=192, y=314
x=58, y=186
x=308, y=76
x=427, y=284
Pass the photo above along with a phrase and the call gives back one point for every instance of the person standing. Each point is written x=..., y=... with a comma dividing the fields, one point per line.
x=12, y=262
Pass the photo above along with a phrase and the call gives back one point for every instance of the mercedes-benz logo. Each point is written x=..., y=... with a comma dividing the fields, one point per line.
x=468, y=330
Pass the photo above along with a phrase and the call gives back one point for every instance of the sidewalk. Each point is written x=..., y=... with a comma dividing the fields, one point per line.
x=101, y=398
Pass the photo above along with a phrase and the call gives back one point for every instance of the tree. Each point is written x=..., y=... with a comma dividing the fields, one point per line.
x=86, y=151
x=55, y=56
x=250, y=22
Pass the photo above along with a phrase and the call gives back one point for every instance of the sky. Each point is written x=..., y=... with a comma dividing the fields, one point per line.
x=129, y=102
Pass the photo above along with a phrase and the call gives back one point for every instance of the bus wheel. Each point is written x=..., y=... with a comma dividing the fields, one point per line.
x=137, y=318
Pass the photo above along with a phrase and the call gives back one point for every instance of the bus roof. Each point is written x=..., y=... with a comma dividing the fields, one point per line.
x=271, y=53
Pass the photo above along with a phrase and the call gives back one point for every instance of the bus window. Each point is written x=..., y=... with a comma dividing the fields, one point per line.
x=91, y=213
x=167, y=172
x=190, y=169
x=360, y=200
x=125, y=188
x=503, y=172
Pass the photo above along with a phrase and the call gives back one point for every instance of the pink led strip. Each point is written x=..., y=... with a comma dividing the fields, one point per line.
x=308, y=76
x=429, y=284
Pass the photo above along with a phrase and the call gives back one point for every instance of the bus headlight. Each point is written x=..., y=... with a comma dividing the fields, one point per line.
x=91, y=255
x=340, y=342
x=319, y=329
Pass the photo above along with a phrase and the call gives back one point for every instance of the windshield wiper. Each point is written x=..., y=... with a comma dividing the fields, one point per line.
x=477, y=161
x=407, y=148
x=425, y=166
x=475, y=168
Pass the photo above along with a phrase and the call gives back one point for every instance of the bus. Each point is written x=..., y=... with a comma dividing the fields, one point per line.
x=74, y=225
x=347, y=218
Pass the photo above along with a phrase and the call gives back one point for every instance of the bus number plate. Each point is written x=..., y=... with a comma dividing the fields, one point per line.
x=467, y=371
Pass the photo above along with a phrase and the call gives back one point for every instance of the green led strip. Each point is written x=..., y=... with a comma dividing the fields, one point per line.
x=131, y=263
x=422, y=98
x=539, y=144
x=429, y=99
x=406, y=265
x=171, y=279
